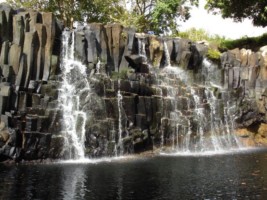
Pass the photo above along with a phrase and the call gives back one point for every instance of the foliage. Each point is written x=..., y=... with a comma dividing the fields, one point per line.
x=160, y=16
x=214, y=54
x=221, y=43
x=146, y=15
x=73, y=10
x=202, y=35
x=253, y=43
x=122, y=74
x=240, y=9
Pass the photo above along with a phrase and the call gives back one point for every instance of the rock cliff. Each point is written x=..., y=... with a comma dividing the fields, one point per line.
x=137, y=100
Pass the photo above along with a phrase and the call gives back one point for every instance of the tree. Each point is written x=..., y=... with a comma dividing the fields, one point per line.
x=156, y=15
x=240, y=9
x=146, y=15
x=74, y=10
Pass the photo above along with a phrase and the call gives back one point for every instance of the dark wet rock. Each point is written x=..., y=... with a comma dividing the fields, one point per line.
x=147, y=106
x=136, y=62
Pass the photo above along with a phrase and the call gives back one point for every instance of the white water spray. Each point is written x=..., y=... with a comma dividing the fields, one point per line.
x=74, y=119
x=206, y=124
x=167, y=54
x=119, y=102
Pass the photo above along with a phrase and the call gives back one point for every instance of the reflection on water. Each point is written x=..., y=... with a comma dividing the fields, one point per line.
x=230, y=176
x=73, y=185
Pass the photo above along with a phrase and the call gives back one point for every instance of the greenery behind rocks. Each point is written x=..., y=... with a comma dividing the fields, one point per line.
x=253, y=43
x=200, y=35
x=218, y=44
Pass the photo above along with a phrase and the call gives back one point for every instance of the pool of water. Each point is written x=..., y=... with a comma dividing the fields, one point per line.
x=237, y=175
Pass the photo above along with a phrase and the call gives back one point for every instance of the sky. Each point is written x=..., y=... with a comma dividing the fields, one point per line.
x=215, y=24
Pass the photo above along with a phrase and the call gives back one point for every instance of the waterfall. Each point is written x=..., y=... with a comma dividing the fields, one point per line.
x=119, y=102
x=198, y=120
x=74, y=119
x=141, y=47
x=167, y=54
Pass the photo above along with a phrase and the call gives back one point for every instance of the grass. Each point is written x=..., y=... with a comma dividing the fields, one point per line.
x=122, y=74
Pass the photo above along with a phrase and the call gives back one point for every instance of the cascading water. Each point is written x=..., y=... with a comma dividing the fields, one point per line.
x=141, y=47
x=167, y=54
x=73, y=73
x=198, y=120
x=119, y=102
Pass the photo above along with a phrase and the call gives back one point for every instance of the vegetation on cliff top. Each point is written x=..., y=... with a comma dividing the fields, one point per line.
x=146, y=15
x=158, y=16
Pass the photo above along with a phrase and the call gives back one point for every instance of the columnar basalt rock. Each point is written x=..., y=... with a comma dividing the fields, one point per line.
x=244, y=73
x=26, y=50
x=160, y=105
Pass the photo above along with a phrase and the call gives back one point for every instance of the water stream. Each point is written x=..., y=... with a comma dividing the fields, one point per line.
x=200, y=122
x=193, y=118
x=73, y=74
x=119, y=102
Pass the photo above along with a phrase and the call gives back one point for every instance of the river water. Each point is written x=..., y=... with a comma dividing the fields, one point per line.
x=240, y=175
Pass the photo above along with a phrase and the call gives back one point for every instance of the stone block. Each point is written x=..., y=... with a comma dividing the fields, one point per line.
x=253, y=60
x=236, y=77
x=6, y=22
x=36, y=100
x=4, y=53
x=8, y=73
x=3, y=22
x=31, y=123
x=23, y=101
x=34, y=18
x=14, y=57
x=253, y=75
x=127, y=39
x=181, y=49
x=129, y=104
x=244, y=57
x=4, y=90
x=30, y=50
x=42, y=124
x=244, y=73
x=185, y=57
x=110, y=58
x=91, y=46
x=141, y=109
x=18, y=30
x=26, y=19
x=3, y=105
x=49, y=23
x=21, y=76
x=80, y=46
x=40, y=59
x=101, y=41
x=141, y=121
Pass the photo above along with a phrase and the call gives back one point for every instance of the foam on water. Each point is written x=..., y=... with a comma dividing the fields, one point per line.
x=98, y=160
x=214, y=152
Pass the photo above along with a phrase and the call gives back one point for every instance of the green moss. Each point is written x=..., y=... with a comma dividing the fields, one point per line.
x=122, y=74
x=214, y=54
x=124, y=36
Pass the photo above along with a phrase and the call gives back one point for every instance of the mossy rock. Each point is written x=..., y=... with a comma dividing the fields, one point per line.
x=214, y=55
